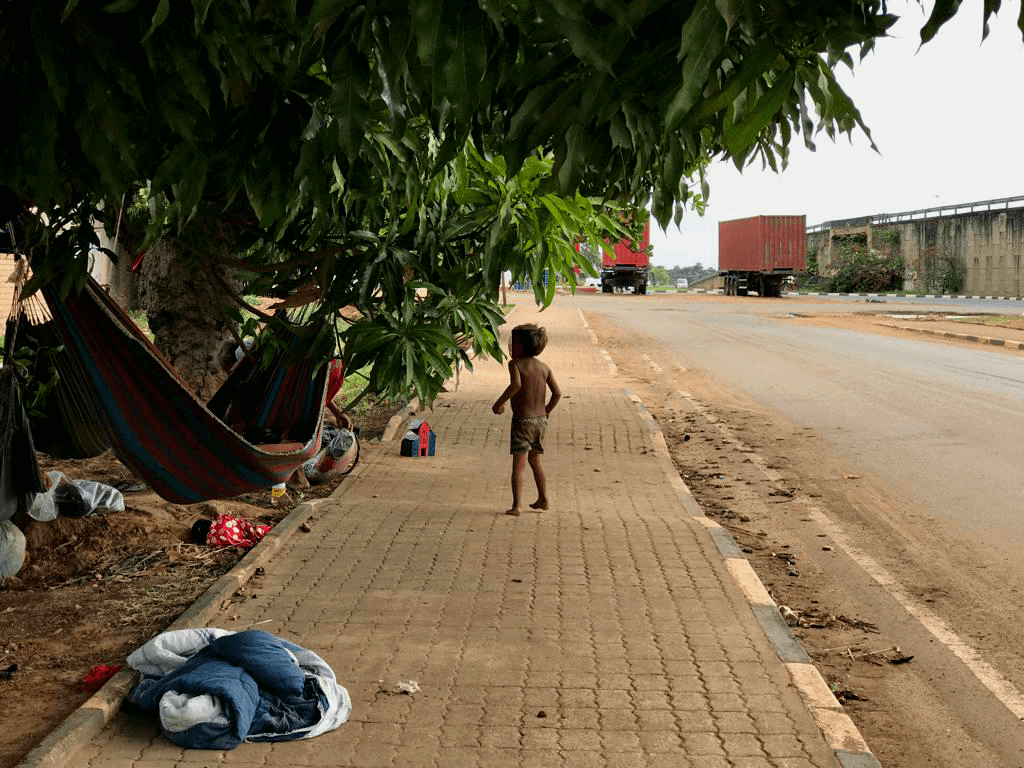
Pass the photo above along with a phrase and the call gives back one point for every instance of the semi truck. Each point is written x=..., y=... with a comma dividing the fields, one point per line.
x=757, y=254
x=629, y=269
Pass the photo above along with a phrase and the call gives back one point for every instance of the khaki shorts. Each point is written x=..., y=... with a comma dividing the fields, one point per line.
x=528, y=435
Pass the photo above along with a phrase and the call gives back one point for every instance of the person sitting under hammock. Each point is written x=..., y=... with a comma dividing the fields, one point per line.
x=242, y=404
x=335, y=378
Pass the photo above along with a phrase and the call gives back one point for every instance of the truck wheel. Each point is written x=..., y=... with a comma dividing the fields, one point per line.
x=641, y=289
x=741, y=291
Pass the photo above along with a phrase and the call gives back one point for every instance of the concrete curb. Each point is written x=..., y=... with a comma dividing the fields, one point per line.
x=719, y=292
x=82, y=725
x=995, y=342
x=396, y=421
x=838, y=730
x=908, y=295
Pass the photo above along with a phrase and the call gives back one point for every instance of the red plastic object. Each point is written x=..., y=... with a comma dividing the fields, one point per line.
x=97, y=676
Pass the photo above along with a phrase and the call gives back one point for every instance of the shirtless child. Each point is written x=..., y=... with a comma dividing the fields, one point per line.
x=529, y=381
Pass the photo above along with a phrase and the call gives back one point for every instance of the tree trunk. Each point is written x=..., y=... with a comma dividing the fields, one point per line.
x=184, y=306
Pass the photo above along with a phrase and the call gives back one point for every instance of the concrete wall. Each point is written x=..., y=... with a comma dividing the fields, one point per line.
x=989, y=244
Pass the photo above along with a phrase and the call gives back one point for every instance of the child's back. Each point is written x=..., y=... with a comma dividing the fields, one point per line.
x=530, y=400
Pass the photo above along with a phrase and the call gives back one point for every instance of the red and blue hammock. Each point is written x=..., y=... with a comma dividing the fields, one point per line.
x=162, y=431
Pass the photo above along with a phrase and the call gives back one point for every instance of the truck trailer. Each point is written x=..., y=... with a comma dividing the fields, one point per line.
x=629, y=269
x=757, y=254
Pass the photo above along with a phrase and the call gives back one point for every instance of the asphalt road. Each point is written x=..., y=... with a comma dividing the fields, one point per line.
x=935, y=431
x=940, y=424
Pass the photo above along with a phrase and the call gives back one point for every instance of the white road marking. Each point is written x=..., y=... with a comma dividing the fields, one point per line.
x=651, y=363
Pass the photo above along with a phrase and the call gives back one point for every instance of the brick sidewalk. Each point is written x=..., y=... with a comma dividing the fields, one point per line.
x=608, y=631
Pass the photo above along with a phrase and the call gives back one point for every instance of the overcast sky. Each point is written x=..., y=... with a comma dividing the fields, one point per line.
x=948, y=121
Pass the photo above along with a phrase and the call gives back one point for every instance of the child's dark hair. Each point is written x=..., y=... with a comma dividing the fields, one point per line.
x=531, y=337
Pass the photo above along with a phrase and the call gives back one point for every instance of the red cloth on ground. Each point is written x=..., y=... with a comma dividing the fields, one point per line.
x=335, y=378
x=228, y=531
x=97, y=676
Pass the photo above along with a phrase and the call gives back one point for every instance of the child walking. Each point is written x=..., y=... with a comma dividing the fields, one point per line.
x=529, y=382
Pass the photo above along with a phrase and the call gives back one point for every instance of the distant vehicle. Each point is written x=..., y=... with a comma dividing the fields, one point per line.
x=759, y=253
x=629, y=269
x=682, y=282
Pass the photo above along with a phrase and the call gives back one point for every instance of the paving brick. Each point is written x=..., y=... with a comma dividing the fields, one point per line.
x=620, y=741
x=742, y=745
x=580, y=717
x=619, y=720
x=583, y=759
x=506, y=737
x=540, y=739
x=576, y=740
x=782, y=746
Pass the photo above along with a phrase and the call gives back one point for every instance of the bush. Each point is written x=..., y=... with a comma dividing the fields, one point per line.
x=943, y=273
x=859, y=270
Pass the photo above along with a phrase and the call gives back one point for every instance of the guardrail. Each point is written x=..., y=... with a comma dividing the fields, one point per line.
x=921, y=213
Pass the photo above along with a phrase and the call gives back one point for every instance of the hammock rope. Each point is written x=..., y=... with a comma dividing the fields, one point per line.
x=20, y=477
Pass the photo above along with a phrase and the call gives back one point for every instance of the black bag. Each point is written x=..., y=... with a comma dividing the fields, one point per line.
x=20, y=478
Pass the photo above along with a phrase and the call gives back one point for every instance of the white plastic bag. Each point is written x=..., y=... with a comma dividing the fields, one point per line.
x=73, y=498
x=12, y=549
x=338, y=455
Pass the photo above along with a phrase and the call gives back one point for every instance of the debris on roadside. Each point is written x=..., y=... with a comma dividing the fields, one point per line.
x=892, y=655
x=844, y=695
x=812, y=619
x=407, y=688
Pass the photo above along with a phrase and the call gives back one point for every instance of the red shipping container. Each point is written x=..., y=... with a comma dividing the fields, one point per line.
x=762, y=244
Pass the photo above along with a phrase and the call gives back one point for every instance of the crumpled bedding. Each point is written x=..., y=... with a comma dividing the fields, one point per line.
x=213, y=688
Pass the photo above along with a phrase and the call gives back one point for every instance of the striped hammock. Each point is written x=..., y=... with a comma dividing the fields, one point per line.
x=162, y=431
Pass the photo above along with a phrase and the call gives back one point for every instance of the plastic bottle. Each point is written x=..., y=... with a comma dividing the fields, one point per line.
x=276, y=493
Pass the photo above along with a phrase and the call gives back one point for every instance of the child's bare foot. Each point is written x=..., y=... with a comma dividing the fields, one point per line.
x=514, y=511
x=539, y=504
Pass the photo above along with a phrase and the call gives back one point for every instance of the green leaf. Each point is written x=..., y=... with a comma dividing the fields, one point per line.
x=120, y=6
x=942, y=12
x=163, y=8
x=741, y=135
x=427, y=30
x=755, y=63
x=702, y=43
x=571, y=20
x=324, y=10
x=349, y=75
x=463, y=71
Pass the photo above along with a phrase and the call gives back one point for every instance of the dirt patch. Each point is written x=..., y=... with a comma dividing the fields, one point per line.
x=95, y=588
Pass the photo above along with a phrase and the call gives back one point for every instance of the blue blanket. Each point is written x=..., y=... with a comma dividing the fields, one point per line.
x=261, y=693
